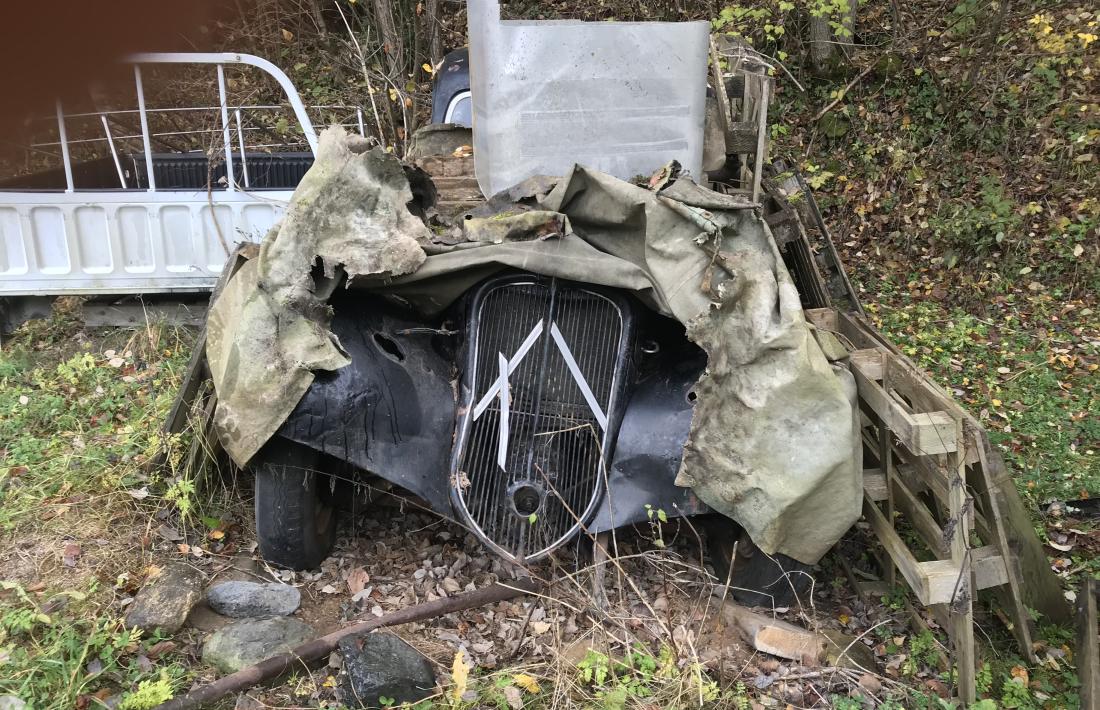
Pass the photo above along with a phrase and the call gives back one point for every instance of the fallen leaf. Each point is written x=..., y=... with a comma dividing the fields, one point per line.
x=70, y=553
x=870, y=683
x=427, y=68
x=328, y=589
x=526, y=682
x=139, y=493
x=460, y=673
x=540, y=627
x=357, y=580
x=216, y=534
x=160, y=648
x=169, y=533
x=287, y=35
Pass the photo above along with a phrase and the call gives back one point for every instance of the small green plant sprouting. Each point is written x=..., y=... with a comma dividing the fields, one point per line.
x=149, y=694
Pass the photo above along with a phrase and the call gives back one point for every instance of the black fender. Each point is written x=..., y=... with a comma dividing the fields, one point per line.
x=391, y=412
x=650, y=447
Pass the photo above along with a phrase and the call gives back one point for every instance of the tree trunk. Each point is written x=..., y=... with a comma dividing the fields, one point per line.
x=821, y=44
x=435, y=38
x=318, y=16
x=392, y=46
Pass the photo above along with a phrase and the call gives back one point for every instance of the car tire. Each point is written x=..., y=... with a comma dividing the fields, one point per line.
x=295, y=514
x=757, y=579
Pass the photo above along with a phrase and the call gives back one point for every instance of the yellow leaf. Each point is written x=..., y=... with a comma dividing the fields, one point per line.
x=330, y=682
x=460, y=673
x=217, y=534
x=526, y=682
x=996, y=402
x=427, y=68
x=288, y=35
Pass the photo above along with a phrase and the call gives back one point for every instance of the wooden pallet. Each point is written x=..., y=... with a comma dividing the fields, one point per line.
x=934, y=469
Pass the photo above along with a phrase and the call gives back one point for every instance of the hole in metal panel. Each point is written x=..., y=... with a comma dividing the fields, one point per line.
x=389, y=347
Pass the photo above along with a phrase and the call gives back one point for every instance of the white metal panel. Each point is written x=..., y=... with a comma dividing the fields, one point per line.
x=93, y=239
x=135, y=241
x=13, y=255
x=49, y=235
x=126, y=242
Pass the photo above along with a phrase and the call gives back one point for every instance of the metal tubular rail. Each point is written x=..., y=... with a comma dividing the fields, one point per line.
x=220, y=59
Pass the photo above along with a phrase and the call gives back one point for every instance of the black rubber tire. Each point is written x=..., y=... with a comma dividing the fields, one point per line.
x=757, y=579
x=295, y=515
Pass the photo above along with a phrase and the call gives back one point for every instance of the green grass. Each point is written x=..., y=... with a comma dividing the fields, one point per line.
x=1034, y=387
x=77, y=427
x=76, y=657
x=78, y=417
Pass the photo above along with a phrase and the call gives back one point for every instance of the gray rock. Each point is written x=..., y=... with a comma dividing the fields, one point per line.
x=381, y=664
x=166, y=600
x=249, y=641
x=243, y=600
x=10, y=702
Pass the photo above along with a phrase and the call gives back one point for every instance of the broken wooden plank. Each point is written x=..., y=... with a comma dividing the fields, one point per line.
x=989, y=567
x=823, y=318
x=99, y=314
x=775, y=636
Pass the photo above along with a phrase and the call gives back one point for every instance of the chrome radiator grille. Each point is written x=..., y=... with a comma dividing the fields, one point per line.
x=545, y=365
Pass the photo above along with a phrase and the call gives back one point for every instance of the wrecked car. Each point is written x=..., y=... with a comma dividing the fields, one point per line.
x=577, y=354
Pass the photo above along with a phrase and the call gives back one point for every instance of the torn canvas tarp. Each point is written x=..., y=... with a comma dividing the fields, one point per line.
x=267, y=332
x=774, y=442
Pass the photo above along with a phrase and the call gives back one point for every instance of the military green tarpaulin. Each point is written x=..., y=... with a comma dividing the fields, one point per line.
x=774, y=441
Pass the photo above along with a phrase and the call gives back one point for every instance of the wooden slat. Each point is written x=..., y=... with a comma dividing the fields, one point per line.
x=822, y=318
x=1088, y=648
x=933, y=582
x=916, y=512
x=874, y=484
x=989, y=567
x=98, y=313
x=923, y=433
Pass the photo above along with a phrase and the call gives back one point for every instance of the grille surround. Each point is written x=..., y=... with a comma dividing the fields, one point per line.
x=549, y=335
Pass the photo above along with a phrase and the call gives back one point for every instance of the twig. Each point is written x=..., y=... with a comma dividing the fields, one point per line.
x=318, y=648
x=843, y=92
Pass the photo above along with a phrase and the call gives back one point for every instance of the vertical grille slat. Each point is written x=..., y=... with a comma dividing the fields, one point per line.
x=554, y=435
